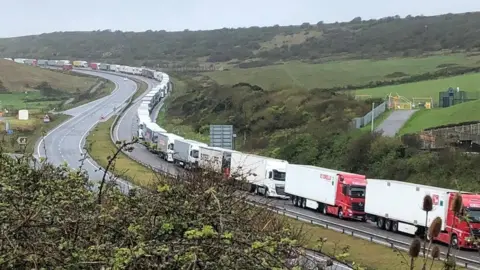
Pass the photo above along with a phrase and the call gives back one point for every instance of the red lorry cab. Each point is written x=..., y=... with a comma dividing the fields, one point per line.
x=350, y=197
x=93, y=65
x=67, y=67
x=463, y=233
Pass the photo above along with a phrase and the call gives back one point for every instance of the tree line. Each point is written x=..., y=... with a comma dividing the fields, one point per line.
x=389, y=36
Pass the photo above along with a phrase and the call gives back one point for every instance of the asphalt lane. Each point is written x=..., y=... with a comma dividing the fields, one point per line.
x=394, y=122
x=126, y=128
x=65, y=142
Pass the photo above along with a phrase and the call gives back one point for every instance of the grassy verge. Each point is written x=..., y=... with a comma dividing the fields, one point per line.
x=468, y=111
x=100, y=147
x=338, y=73
x=105, y=90
x=141, y=88
x=362, y=252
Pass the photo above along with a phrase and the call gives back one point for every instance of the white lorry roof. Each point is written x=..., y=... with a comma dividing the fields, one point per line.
x=154, y=127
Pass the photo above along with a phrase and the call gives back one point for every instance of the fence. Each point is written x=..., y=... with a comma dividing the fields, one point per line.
x=360, y=122
x=452, y=97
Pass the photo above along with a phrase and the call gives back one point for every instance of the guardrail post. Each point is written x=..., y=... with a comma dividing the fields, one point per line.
x=352, y=233
x=343, y=230
x=371, y=238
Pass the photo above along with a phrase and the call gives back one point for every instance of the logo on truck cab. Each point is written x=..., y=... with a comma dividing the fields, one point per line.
x=435, y=199
x=326, y=177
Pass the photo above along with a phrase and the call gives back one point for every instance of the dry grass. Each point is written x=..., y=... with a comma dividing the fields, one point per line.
x=17, y=77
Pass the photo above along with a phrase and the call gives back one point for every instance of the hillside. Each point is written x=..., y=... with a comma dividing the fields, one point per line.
x=390, y=36
x=261, y=117
x=423, y=119
x=18, y=78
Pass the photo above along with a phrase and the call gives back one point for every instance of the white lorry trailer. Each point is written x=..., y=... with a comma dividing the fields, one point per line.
x=152, y=130
x=332, y=192
x=187, y=153
x=397, y=206
x=265, y=175
x=216, y=159
x=166, y=145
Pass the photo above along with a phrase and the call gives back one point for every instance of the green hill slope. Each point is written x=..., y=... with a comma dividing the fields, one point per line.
x=423, y=119
x=390, y=36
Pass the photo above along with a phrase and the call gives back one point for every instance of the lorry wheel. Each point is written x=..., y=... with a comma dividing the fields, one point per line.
x=388, y=225
x=304, y=203
x=340, y=213
x=454, y=241
x=395, y=226
x=325, y=210
x=381, y=223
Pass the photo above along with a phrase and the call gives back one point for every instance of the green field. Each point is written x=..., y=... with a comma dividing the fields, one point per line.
x=31, y=100
x=468, y=111
x=468, y=82
x=338, y=73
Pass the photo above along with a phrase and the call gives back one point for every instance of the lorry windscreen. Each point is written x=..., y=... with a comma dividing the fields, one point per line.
x=279, y=176
x=473, y=215
x=170, y=146
x=357, y=192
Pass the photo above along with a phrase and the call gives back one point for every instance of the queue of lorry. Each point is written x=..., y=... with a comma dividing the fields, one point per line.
x=393, y=205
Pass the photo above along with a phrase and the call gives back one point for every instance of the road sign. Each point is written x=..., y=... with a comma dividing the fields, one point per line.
x=10, y=131
x=221, y=136
x=22, y=140
x=46, y=118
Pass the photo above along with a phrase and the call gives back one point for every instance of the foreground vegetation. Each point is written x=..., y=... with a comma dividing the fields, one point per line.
x=166, y=228
x=332, y=243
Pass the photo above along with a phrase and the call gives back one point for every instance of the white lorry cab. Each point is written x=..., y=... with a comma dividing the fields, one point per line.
x=266, y=176
x=165, y=145
x=187, y=153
